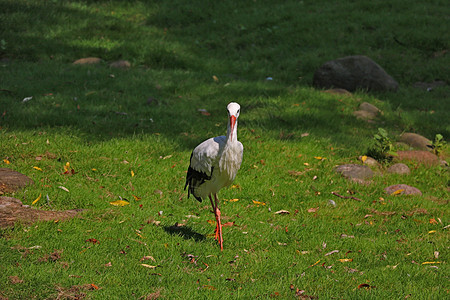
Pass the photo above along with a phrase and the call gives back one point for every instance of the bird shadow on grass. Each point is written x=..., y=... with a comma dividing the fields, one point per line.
x=185, y=232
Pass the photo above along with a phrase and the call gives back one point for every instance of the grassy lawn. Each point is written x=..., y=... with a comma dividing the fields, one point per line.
x=128, y=134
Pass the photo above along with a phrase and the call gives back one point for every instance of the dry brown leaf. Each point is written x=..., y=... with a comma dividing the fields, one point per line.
x=15, y=280
x=332, y=252
x=282, y=212
x=148, y=266
x=314, y=209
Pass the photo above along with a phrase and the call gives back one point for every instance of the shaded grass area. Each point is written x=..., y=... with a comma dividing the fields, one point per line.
x=128, y=134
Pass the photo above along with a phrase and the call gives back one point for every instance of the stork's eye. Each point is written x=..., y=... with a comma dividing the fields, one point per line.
x=238, y=111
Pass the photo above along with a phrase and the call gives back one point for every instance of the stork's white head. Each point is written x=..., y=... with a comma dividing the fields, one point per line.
x=233, y=113
x=233, y=109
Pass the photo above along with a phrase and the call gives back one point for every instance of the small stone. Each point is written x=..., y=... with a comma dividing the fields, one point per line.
x=371, y=162
x=399, y=168
x=152, y=101
x=402, y=189
x=121, y=64
x=365, y=106
x=364, y=115
x=338, y=92
x=355, y=172
x=87, y=61
x=415, y=141
x=367, y=111
x=422, y=157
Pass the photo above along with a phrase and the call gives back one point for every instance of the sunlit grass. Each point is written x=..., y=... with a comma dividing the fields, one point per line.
x=128, y=134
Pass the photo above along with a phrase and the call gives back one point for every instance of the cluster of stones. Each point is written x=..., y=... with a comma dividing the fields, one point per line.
x=352, y=73
x=120, y=64
x=363, y=173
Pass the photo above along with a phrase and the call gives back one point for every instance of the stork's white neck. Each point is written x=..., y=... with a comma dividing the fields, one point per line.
x=232, y=135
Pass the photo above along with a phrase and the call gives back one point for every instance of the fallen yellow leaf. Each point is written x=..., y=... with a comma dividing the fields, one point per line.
x=37, y=199
x=215, y=78
x=431, y=262
x=432, y=231
x=67, y=167
x=397, y=192
x=320, y=157
x=363, y=158
x=346, y=259
x=234, y=200
x=37, y=168
x=6, y=161
x=258, y=203
x=132, y=173
x=119, y=203
x=315, y=263
x=137, y=198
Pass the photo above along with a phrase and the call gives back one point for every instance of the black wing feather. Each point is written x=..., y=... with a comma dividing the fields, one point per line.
x=194, y=179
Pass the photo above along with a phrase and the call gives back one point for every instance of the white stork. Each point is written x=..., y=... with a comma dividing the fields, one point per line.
x=214, y=165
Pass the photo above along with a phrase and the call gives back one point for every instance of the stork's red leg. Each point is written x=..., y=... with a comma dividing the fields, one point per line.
x=219, y=224
x=214, y=207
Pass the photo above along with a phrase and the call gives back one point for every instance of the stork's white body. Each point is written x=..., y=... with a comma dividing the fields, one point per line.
x=218, y=159
x=214, y=165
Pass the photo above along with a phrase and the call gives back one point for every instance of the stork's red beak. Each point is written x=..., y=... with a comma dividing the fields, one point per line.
x=232, y=123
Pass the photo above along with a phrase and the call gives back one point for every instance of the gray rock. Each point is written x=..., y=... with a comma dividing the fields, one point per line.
x=415, y=140
x=399, y=169
x=364, y=115
x=418, y=156
x=365, y=106
x=369, y=161
x=402, y=189
x=355, y=172
x=121, y=64
x=352, y=73
x=367, y=111
x=87, y=61
x=338, y=92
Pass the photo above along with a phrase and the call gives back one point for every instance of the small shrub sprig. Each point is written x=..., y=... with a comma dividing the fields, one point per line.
x=383, y=148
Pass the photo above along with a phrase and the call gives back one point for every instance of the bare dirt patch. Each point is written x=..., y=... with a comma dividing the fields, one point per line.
x=12, y=210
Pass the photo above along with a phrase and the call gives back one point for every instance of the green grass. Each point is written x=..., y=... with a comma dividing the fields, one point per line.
x=100, y=121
